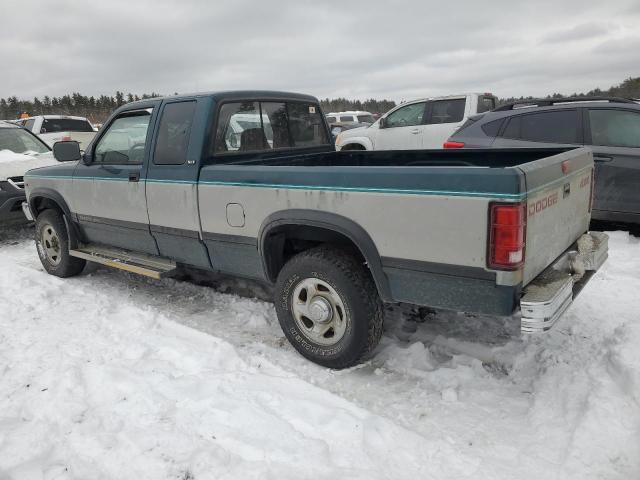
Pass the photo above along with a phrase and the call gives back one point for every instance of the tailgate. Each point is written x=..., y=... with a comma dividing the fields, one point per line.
x=558, y=198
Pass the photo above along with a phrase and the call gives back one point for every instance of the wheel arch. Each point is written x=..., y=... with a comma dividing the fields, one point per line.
x=42, y=198
x=364, y=142
x=270, y=243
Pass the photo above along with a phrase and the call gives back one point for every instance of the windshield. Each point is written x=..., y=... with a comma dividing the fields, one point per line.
x=20, y=141
x=366, y=118
x=54, y=125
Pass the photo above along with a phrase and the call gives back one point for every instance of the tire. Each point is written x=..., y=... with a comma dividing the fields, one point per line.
x=52, y=242
x=329, y=282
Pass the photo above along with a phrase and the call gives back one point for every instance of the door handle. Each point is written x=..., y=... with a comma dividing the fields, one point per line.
x=602, y=158
x=134, y=176
x=415, y=130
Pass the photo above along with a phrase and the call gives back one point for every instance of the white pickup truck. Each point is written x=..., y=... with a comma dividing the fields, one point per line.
x=56, y=128
x=425, y=123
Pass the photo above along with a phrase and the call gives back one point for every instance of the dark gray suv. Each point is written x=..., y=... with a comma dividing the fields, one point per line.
x=611, y=126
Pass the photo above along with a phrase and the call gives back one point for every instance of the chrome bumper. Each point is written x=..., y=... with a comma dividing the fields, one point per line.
x=27, y=211
x=546, y=298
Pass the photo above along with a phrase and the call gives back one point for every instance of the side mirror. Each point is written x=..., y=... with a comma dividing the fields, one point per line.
x=67, y=151
x=382, y=122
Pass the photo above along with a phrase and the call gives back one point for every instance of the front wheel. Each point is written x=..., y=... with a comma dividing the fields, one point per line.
x=328, y=307
x=52, y=242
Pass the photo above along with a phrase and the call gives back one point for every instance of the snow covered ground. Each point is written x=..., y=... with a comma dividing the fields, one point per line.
x=110, y=375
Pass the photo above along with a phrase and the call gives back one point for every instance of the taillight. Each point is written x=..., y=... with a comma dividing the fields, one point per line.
x=66, y=138
x=451, y=144
x=507, y=224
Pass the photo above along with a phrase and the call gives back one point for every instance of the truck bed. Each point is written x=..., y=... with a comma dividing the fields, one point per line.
x=488, y=158
x=440, y=196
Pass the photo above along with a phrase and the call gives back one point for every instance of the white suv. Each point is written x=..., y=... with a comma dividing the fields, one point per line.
x=357, y=116
x=420, y=124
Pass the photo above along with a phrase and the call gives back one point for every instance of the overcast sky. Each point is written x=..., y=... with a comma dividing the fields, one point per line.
x=358, y=49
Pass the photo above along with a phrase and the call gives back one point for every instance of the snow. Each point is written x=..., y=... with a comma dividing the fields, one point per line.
x=16, y=164
x=109, y=375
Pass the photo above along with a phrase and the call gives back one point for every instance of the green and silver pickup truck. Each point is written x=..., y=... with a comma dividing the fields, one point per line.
x=249, y=184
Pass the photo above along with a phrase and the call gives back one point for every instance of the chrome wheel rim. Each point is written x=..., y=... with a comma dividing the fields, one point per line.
x=50, y=245
x=319, y=312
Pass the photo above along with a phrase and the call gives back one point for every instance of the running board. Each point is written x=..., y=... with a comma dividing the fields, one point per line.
x=148, y=265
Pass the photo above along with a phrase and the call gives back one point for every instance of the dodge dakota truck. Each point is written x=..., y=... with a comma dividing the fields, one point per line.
x=249, y=184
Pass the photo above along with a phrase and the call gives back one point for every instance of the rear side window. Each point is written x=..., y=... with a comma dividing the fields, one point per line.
x=559, y=126
x=615, y=128
x=54, y=125
x=259, y=126
x=491, y=129
x=446, y=111
x=331, y=119
x=174, y=133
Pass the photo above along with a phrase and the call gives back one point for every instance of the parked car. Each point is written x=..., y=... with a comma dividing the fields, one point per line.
x=20, y=151
x=54, y=128
x=610, y=126
x=350, y=117
x=338, y=234
x=420, y=124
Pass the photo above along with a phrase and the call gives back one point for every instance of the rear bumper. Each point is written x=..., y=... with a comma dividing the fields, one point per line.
x=546, y=298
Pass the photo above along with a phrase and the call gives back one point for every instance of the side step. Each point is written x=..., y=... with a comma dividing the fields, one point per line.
x=140, y=263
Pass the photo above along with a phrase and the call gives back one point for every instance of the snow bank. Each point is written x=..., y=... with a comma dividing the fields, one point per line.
x=109, y=375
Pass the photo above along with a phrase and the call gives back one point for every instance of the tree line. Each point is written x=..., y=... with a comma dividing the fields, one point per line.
x=630, y=88
x=97, y=109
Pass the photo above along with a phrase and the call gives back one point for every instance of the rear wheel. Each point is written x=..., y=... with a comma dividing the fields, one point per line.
x=328, y=307
x=52, y=242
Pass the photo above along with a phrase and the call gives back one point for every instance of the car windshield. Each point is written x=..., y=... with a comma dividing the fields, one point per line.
x=366, y=118
x=19, y=141
x=54, y=125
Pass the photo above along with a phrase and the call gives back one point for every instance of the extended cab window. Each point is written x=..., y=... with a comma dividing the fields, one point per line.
x=615, y=128
x=558, y=126
x=259, y=126
x=306, y=125
x=125, y=139
x=446, y=111
x=174, y=133
x=406, y=116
